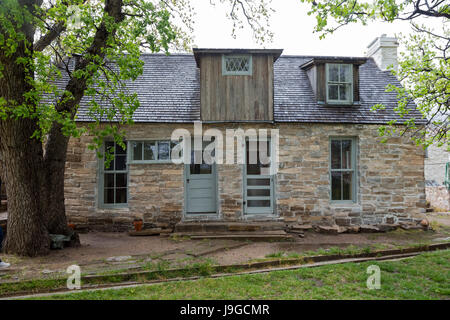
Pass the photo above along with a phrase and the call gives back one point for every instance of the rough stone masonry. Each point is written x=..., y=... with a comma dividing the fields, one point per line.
x=390, y=180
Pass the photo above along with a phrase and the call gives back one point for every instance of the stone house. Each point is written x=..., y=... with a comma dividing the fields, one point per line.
x=331, y=166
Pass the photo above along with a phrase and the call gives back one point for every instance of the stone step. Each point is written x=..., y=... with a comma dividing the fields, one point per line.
x=228, y=226
x=270, y=232
x=248, y=236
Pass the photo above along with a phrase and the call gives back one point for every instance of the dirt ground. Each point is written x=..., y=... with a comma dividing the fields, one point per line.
x=103, y=252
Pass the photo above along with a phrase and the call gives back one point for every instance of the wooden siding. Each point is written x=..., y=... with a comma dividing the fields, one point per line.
x=236, y=98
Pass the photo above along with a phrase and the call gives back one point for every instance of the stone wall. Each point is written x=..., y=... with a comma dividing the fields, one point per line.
x=439, y=197
x=390, y=180
x=436, y=193
x=435, y=162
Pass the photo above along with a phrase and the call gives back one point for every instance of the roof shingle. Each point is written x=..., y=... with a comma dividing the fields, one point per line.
x=169, y=91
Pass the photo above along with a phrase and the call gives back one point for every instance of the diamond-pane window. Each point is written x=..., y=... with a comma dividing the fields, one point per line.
x=237, y=65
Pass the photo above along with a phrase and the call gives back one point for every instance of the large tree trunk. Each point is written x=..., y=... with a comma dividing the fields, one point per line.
x=53, y=180
x=22, y=162
x=22, y=159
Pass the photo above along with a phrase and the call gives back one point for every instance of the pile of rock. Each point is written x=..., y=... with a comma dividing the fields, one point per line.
x=335, y=229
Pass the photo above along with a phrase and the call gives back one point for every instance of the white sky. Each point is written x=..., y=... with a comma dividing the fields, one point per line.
x=292, y=28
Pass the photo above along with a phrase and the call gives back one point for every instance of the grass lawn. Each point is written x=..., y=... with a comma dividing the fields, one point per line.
x=426, y=276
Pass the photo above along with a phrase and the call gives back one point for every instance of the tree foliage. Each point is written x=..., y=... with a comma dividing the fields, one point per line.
x=424, y=67
x=53, y=54
x=80, y=42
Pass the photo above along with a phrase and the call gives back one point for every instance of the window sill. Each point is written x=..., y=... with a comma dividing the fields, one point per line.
x=344, y=203
x=334, y=104
x=123, y=208
x=152, y=162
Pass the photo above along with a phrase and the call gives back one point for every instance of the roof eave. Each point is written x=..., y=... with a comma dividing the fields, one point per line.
x=198, y=52
x=315, y=61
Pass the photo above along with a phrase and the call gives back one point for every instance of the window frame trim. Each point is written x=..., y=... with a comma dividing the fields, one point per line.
x=156, y=161
x=237, y=73
x=327, y=83
x=101, y=193
x=354, y=158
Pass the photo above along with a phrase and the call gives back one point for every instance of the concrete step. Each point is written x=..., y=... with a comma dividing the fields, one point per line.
x=229, y=226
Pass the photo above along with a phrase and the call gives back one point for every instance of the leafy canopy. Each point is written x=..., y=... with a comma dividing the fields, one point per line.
x=424, y=68
x=90, y=49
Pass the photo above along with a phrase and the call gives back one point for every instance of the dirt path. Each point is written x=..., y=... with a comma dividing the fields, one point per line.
x=101, y=252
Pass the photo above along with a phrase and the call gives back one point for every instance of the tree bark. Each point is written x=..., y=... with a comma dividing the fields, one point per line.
x=56, y=146
x=35, y=181
x=21, y=155
x=54, y=209
x=22, y=162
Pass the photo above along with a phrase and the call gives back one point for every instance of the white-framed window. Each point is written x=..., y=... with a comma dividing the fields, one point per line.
x=114, y=177
x=235, y=65
x=339, y=83
x=151, y=151
x=343, y=172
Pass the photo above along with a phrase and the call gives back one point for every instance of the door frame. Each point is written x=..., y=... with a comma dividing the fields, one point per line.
x=273, y=213
x=200, y=216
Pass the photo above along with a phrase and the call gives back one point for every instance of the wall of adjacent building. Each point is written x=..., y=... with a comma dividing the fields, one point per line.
x=436, y=193
x=390, y=180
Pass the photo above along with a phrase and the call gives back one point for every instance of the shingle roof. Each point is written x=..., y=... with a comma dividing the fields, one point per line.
x=169, y=91
x=294, y=100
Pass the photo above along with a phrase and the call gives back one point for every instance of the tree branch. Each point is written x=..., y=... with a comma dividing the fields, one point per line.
x=48, y=38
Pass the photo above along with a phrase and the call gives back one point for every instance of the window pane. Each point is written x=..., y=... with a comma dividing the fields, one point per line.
x=347, y=182
x=120, y=150
x=109, y=180
x=121, y=163
x=173, y=144
x=336, y=178
x=109, y=145
x=258, y=182
x=109, y=195
x=109, y=166
x=346, y=154
x=137, y=150
x=201, y=169
x=121, y=195
x=333, y=93
x=149, y=151
x=345, y=73
x=108, y=149
x=333, y=72
x=258, y=203
x=163, y=151
x=253, y=169
x=258, y=192
x=343, y=92
x=336, y=154
x=237, y=63
x=121, y=180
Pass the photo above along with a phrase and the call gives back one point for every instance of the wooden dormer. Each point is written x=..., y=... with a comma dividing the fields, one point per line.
x=345, y=85
x=236, y=84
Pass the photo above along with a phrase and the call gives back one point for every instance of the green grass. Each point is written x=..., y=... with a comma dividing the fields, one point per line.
x=423, y=277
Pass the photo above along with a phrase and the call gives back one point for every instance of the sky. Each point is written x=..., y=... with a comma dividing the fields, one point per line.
x=292, y=28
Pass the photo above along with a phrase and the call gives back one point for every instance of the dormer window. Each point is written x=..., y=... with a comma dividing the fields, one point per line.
x=339, y=83
x=237, y=65
x=334, y=80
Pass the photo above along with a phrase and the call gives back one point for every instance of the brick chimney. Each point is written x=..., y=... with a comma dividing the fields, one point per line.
x=384, y=51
